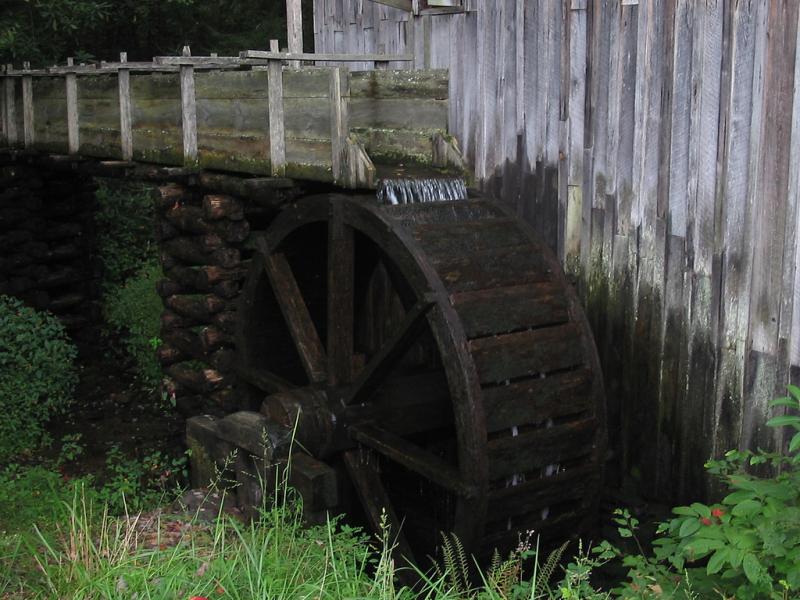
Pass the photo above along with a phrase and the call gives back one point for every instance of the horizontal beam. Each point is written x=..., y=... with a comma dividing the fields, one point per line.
x=266, y=55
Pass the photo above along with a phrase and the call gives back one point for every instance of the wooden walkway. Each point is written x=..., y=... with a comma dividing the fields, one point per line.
x=259, y=113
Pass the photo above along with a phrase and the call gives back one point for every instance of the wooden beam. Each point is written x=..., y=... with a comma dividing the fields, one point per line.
x=294, y=28
x=125, y=109
x=380, y=364
x=339, y=85
x=27, y=108
x=188, y=112
x=71, y=81
x=264, y=380
x=12, y=136
x=3, y=125
x=277, y=136
x=405, y=5
x=363, y=471
x=274, y=54
x=295, y=312
x=413, y=457
x=341, y=284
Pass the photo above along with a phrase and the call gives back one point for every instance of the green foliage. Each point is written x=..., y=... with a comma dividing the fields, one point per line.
x=747, y=546
x=133, y=485
x=125, y=220
x=47, y=31
x=133, y=310
x=37, y=374
x=41, y=31
x=751, y=541
x=127, y=249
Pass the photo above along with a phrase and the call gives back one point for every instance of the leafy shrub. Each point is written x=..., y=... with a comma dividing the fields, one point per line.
x=125, y=219
x=747, y=546
x=752, y=539
x=133, y=310
x=128, y=251
x=37, y=375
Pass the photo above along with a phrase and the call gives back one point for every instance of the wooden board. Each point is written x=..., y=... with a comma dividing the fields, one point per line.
x=50, y=115
x=98, y=116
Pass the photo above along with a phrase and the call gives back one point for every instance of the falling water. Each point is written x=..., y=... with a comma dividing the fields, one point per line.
x=413, y=191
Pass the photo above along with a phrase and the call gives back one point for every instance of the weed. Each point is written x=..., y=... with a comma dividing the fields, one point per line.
x=133, y=311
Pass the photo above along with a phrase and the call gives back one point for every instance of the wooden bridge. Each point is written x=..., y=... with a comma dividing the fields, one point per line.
x=260, y=113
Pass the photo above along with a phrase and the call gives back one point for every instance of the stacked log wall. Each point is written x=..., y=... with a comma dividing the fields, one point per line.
x=47, y=242
x=206, y=229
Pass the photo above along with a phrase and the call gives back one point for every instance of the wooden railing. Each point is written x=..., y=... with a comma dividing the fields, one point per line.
x=250, y=113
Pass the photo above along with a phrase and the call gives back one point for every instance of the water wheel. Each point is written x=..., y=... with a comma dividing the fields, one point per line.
x=437, y=355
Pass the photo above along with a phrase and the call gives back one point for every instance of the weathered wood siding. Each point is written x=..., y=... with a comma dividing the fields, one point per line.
x=656, y=146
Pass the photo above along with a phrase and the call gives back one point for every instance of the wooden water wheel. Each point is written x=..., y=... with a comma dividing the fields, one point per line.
x=436, y=353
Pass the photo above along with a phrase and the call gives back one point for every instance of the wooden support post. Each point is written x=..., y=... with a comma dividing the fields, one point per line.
x=294, y=29
x=188, y=112
x=125, y=110
x=3, y=124
x=73, y=140
x=277, y=138
x=339, y=88
x=11, y=110
x=27, y=107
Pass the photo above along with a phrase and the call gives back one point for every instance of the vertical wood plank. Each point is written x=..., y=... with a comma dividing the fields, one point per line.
x=10, y=109
x=27, y=108
x=71, y=81
x=188, y=112
x=794, y=192
x=125, y=109
x=736, y=227
x=339, y=91
x=277, y=138
x=3, y=118
x=294, y=28
x=772, y=215
x=576, y=106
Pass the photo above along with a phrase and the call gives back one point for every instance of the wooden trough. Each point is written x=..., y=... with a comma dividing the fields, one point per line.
x=248, y=115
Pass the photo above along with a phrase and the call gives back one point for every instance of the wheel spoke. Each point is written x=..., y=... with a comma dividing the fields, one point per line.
x=295, y=311
x=413, y=458
x=341, y=274
x=266, y=381
x=362, y=468
x=380, y=364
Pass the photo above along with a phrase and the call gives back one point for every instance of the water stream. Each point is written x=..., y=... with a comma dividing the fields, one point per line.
x=414, y=191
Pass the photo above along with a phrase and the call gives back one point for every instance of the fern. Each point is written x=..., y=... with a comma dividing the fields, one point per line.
x=456, y=566
x=546, y=572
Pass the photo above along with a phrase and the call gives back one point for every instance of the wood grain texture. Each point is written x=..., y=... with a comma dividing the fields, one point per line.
x=671, y=186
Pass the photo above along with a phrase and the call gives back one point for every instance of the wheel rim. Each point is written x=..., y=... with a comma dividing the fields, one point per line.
x=325, y=349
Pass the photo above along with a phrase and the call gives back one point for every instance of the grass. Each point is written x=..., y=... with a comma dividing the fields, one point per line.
x=58, y=540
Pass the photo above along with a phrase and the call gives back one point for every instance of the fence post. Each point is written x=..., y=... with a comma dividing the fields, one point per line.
x=12, y=135
x=27, y=108
x=125, y=110
x=73, y=132
x=339, y=87
x=188, y=112
x=277, y=139
x=294, y=29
